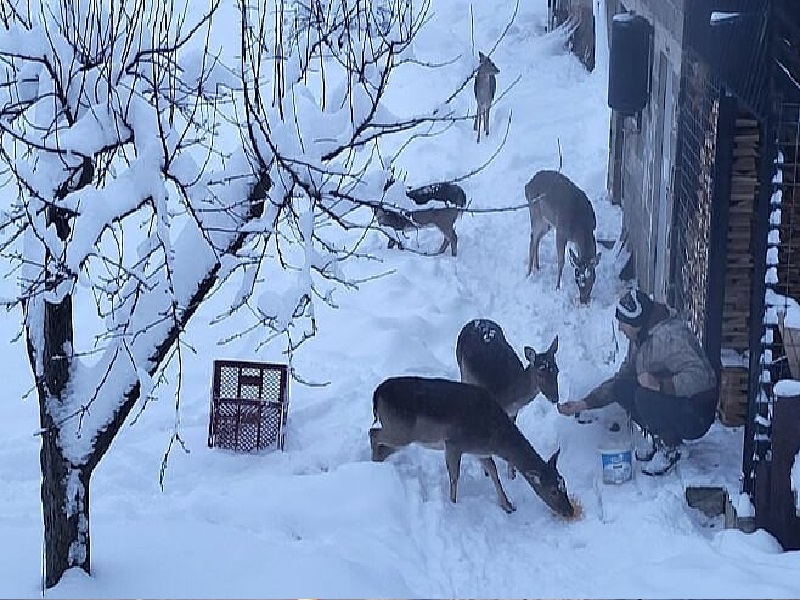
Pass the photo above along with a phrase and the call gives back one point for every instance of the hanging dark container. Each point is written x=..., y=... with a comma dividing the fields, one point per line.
x=629, y=64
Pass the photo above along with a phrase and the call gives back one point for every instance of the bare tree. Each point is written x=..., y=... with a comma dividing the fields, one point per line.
x=331, y=62
x=118, y=196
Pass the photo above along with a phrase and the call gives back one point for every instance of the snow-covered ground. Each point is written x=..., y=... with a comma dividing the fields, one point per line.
x=320, y=519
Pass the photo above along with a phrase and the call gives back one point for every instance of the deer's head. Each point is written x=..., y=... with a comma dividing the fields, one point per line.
x=585, y=273
x=544, y=370
x=550, y=487
x=486, y=65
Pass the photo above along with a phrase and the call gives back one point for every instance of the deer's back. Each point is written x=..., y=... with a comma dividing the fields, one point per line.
x=439, y=408
x=444, y=218
x=555, y=198
x=485, y=356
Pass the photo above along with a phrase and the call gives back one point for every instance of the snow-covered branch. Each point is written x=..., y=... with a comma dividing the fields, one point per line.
x=314, y=113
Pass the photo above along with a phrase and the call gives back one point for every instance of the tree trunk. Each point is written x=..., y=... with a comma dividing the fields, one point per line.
x=65, y=507
x=65, y=487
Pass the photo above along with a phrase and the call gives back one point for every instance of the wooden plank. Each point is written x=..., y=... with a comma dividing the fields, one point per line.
x=791, y=345
x=779, y=514
x=745, y=151
x=747, y=138
x=744, y=164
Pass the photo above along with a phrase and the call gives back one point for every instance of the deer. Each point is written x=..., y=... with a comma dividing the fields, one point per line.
x=485, y=87
x=485, y=358
x=441, y=217
x=556, y=202
x=461, y=418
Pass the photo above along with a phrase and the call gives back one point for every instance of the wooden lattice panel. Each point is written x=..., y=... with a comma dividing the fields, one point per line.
x=249, y=405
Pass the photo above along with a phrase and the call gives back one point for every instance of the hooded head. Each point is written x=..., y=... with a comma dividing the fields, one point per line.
x=634, y=308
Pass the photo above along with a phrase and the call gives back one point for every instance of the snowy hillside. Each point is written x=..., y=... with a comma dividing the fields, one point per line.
x=320, y=519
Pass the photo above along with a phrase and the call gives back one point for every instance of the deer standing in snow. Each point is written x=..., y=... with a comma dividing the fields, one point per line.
x=461, y=418
x=443, y=217
x=485, y=87
x=556, y=202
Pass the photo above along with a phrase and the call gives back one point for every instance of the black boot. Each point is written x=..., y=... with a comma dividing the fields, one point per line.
x=663, y=460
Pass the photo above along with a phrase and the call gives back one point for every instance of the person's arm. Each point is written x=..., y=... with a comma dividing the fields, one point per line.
x=602, y=394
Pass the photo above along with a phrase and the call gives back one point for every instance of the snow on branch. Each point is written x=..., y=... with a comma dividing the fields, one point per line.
x=107, y=125
x=112, y=129
x=313, y=103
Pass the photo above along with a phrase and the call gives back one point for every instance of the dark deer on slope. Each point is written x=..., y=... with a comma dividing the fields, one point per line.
x=485, y=358
x=461, y=418
x=556, y=202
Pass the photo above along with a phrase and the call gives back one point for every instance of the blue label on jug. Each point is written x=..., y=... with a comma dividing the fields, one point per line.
x=616, y=466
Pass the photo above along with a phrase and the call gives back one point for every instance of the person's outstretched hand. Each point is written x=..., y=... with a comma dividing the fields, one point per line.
x=571, y=407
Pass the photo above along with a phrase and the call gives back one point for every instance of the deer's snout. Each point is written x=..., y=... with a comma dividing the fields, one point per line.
x=584, y=279
x=551, y=392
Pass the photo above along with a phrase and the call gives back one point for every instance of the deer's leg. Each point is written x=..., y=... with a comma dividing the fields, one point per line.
x=445, y=243
x=395, y=243
x=491, y=469
x=476, y=123
x=450, y=239
x=452, y=457
x=380, y=449
x=486, y=121
x=538, y=230
x=512, y=472
x=561, y=243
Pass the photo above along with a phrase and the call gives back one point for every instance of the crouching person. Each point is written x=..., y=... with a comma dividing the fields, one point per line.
x=666, y=383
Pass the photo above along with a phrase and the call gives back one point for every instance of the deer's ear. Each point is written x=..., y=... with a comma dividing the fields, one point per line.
x=573, y=258
x=554, y=459
x=553, y=347
x=530, y=354
x=481, y=56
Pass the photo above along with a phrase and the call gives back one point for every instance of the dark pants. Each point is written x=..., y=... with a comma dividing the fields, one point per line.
x=672, y=418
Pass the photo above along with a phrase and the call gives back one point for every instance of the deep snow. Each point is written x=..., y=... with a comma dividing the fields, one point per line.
x=320, y=519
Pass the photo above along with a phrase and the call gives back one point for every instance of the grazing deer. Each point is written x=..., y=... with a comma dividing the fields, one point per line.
x=486, y=359
x=463, y=419
x=485, y=87
x=441, y=217
x=554, y=201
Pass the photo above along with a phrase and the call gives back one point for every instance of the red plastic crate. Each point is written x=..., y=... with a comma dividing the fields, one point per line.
x=249, y=405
